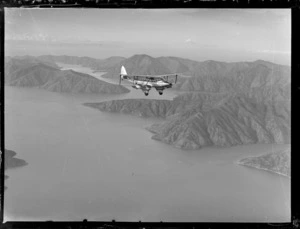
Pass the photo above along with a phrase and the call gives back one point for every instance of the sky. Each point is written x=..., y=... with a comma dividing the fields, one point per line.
x=228, y=35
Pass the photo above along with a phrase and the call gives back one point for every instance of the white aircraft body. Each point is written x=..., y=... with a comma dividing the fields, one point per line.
x=146, y=82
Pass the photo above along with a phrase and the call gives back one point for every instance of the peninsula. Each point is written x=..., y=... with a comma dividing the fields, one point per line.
x=276, y=162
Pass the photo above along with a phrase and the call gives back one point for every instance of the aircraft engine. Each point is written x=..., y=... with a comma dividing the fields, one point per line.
x=136, y=86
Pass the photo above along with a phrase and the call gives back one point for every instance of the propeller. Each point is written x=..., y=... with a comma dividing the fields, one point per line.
x=120, y=79
x=167, y=77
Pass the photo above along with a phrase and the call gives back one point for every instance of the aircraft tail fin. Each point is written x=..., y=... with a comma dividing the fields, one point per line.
x=123, y=71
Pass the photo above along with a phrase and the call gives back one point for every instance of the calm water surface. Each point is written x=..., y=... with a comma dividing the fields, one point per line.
x=83, y=163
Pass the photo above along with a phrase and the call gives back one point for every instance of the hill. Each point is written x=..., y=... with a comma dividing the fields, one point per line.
x=229, y=121
x=157, y=108
x=236, y=77
x=277, y=162
x=195, y=120
x=73, y=82
x=13, y=64
x=28, y=73
x=139, y=64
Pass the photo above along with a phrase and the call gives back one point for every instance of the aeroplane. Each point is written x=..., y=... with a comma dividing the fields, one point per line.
x=146, y=82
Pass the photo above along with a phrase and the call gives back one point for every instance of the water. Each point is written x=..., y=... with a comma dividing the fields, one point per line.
x=83, y=163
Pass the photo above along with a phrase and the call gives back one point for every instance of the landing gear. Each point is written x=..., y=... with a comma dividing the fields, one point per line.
x=146, y=93
x=160, y=90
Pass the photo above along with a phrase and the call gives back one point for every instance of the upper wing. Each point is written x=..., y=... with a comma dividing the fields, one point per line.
x=152, y=77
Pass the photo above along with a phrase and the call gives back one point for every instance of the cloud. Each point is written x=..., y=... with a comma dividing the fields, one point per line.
x=27, y=37
x=189, y=41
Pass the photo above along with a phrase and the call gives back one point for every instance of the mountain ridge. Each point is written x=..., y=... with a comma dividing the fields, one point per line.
x=236, y=121
x=196, y=120
x=48, y=77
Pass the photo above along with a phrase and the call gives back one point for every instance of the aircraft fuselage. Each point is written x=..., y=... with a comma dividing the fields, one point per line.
x=145, y=82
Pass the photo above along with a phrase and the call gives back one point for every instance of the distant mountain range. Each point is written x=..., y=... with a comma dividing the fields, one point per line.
x=41, y=73
x=277, y=162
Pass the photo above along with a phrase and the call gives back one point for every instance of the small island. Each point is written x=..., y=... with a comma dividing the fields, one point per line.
x=12, y=162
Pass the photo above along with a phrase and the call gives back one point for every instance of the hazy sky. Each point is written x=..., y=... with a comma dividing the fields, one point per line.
x=200, y=34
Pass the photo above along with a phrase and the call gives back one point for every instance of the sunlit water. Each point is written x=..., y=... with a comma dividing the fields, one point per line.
x=83, y=163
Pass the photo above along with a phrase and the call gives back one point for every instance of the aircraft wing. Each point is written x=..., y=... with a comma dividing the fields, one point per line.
x=152, y=77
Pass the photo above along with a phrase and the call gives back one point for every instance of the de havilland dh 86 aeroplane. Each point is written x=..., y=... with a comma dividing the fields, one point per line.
x=146, y=82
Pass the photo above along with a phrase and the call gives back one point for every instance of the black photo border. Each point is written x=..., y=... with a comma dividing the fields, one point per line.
x=293, y=5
